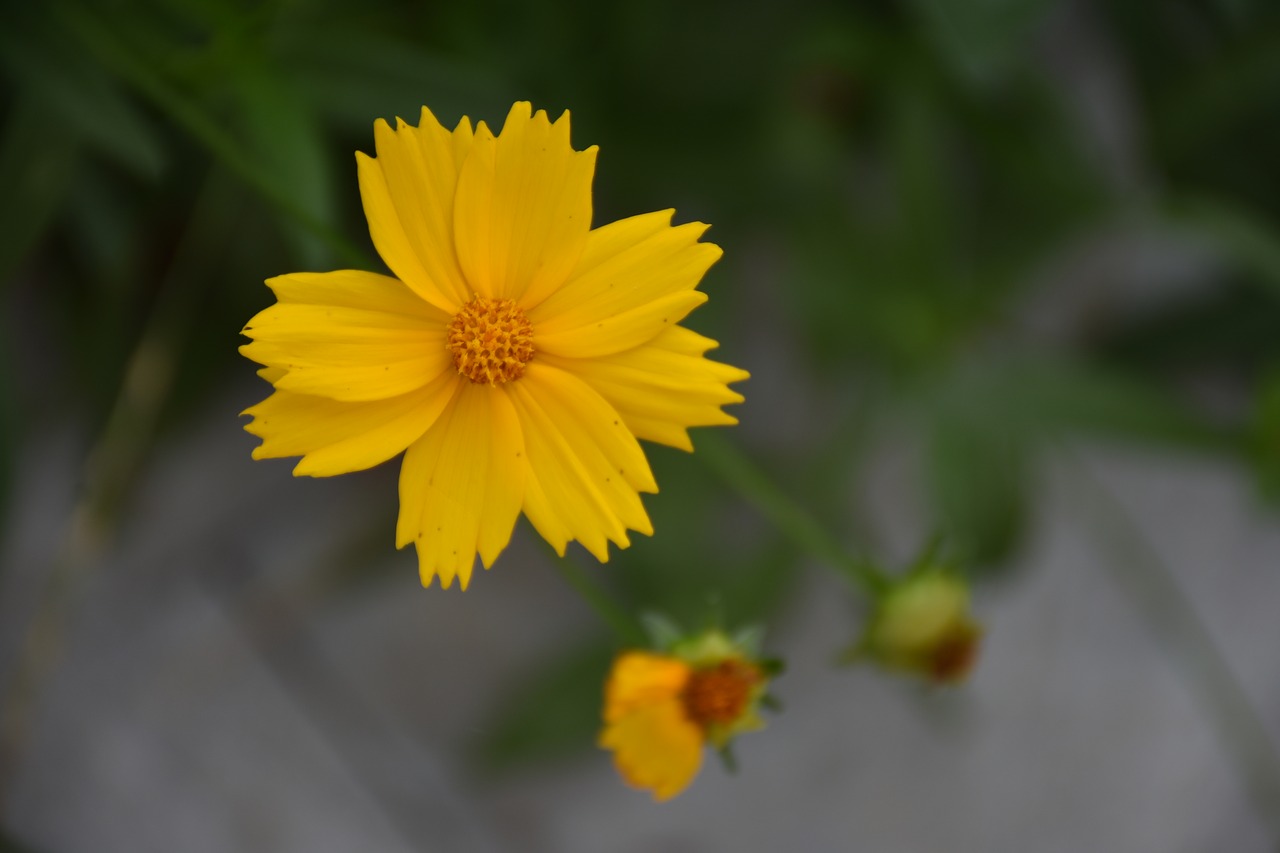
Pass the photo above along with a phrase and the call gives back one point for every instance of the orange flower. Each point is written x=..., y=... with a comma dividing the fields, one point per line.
x=660, y=710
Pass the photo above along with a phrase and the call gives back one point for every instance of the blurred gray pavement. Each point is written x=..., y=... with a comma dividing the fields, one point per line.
x=206, y=702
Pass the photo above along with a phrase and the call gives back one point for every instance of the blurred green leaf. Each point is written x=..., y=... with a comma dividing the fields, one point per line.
x=122, y=58
x=82, y=99
x=356, y=76
x=710, y=560
x=1227, y=331
x=556, y=711
x=1265, y=436
x=283, y=132
x=1051, y=398
x=981, y=39
x=926, y=200
x=1243, y=236
x=37, y=169
x=979, y=487
x=984, y=422
x=662, y=630
x=1212, y=101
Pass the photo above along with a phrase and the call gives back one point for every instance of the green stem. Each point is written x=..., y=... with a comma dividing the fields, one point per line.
x=1156, y=595
x=786, y=514
x=97, y=38
x=610, y=612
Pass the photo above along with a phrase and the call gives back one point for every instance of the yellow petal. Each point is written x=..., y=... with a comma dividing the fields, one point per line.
x=585, y=466
x=619, y=332
x=523, y=208
x=642, y=678
x=462, y=484
x=353, y=289
x=655, y=747
x=334, y=437
x=627, y=265
x=663, y=387
x=408, y=194
x=347, y=353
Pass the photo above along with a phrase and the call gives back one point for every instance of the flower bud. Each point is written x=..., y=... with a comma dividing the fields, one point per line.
x=923, y=625
x=661, y=709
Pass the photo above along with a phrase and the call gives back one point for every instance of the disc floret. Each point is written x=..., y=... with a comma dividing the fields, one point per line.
x=491, y=341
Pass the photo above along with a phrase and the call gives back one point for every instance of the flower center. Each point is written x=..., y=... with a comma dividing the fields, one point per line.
x=491, y=341
x=719, y=694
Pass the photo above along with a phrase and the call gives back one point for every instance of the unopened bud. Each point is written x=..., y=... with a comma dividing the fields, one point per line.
x=923, y=625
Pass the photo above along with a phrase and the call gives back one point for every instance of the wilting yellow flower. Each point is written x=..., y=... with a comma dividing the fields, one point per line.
x=517, y=355
x=923, y=626
x=660, y=710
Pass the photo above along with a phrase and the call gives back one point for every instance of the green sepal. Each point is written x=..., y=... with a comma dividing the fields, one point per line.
x=771, y=703
x=728, y=759
x=771, y=667
x=663, y=632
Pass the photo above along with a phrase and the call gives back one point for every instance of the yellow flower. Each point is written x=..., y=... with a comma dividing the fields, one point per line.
x=517, y=355
x=660, y=710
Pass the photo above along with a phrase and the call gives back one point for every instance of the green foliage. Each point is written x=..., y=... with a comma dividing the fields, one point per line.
x=713, y=565
x=36, y=173
x=1265, y=437
x=892, y=177
x=554, y=711
x=83, y=103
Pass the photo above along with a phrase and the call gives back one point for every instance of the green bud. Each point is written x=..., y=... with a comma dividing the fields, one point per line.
x=923, y=625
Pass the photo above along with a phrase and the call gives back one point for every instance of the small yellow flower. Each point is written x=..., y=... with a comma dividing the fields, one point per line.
x=923, y=626
x=517, y=355
x=660, y=710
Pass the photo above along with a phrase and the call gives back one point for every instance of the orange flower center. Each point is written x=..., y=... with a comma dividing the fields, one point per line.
x=719, y=694
x=491, y=341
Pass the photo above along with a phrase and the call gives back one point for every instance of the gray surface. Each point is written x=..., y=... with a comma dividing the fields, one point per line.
x=188, y=717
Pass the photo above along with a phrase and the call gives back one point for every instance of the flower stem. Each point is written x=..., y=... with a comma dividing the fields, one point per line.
x=624, y=625
x=1154, y=592
x=787, y=514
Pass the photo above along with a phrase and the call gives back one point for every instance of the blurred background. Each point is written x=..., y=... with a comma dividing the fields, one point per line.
x=1004, y=270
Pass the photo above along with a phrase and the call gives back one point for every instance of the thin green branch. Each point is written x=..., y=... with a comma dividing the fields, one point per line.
x=1159, y=599
x=787, y=514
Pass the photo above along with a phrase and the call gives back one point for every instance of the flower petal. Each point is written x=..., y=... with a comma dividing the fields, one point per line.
x=523, y=207
x=626, y=266
x=655, y=747
x=349, y=336
x=408, y=193
x=462, y=484
x=642, y=678
x=585, y=467
x=353, y=289
x=334, y=437
x=663, y=387
x=619, y=332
